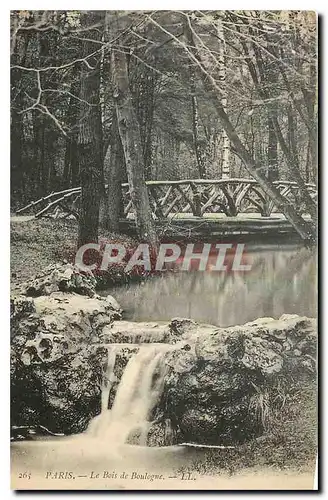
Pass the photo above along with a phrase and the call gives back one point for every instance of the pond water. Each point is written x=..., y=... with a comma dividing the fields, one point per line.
x=282, y=280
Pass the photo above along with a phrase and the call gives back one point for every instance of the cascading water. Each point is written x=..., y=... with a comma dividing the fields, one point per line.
x=98, y=424
x=138, y=392
x=108, y=378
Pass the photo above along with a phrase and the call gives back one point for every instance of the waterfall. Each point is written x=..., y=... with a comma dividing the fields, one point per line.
x=108, y=378
x=138, y=392
x=99, y=423
x=135, y=333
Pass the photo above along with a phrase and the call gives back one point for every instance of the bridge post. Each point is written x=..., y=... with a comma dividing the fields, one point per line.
x=196, y=205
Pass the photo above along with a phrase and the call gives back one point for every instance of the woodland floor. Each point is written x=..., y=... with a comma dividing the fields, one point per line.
x=37, y=243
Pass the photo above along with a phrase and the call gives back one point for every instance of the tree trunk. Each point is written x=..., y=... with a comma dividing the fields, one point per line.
x=131, y=141
x=145, y=112
x=222, y=79
x=272, y=78
x=195, y=130
x=38, y=149
x=112, y=208
x=272, y=173
x=195, y=115
x=16, y=156
x=17, y=138
x=90, y=155
x=71, y=174
x=295, y=168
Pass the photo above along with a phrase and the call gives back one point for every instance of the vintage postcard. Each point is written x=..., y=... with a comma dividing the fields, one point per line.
x=164, y=250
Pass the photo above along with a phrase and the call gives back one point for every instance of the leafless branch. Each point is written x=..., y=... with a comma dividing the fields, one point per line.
x=46, y=111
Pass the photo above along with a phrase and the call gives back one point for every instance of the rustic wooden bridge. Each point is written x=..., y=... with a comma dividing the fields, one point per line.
x=224, y=206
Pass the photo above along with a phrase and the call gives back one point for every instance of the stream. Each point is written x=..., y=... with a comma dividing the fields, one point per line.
x=280, y=281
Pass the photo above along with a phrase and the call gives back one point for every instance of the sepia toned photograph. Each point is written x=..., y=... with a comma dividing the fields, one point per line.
x=164, y=250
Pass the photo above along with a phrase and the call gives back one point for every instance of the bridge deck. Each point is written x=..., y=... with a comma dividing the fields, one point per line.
x=219, y=225
x=251, y=226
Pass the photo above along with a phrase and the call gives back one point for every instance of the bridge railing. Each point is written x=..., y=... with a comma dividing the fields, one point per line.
x=228, y=196
x=196, y=197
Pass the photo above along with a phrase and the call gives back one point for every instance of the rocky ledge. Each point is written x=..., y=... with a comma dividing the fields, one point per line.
x=56, y=366
x=227, y=384
x=59, y=277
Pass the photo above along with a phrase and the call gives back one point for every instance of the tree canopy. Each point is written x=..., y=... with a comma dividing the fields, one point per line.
x=108, y=96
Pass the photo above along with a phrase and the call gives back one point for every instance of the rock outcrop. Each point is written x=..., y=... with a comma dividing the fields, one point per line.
x=56, y=364
x=59, y=278
x=225, y=384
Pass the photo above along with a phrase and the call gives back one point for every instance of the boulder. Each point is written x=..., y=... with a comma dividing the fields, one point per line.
x=225, y=387
x=56, y=367
x=59, y=278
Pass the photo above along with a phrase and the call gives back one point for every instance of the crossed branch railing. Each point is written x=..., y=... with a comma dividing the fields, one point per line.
x=196, y=197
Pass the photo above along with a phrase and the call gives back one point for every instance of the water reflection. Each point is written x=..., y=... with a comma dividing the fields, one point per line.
x=282, y=280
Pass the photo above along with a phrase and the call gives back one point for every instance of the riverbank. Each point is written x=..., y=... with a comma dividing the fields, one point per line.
x=38, y=243
x=100, y=470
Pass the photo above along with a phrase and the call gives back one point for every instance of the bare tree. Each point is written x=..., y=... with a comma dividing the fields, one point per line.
x=131, y=141
x=200, y=55
x=112, y=205
x=222, y=80
x=90, y=152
